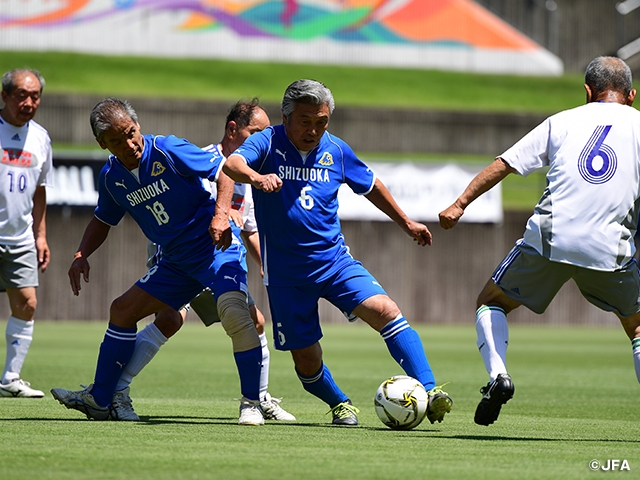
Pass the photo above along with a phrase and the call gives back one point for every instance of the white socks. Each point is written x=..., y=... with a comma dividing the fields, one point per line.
x=635, y=344
x=493, y=339
x=18, y=334
x=148, y=342
x=264, y=372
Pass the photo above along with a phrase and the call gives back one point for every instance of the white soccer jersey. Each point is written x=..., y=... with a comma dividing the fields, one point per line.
x=588, y=213
x=26, y=163
x=242, y=199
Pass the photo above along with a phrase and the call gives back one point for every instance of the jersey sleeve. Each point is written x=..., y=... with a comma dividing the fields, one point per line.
x=357, y=175
x=531, y=152
x=254, y=150
x=249, y=215
x=108, y=210
x=46, y=175
x=189, y=159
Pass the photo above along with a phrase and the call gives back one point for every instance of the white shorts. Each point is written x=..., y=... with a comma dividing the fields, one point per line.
x=533, y=280
x=18, y=266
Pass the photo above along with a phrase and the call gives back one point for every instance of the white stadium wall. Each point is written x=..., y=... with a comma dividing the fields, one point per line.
x=441, y=34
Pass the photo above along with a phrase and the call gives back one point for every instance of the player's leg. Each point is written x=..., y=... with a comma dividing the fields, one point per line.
x=148, y=342
x=403, y=342
x=247, y=353
x=115, y=352
x=631, y=326
x=18, y=335
x=206, y=307
x=618, y=292
x=526, y=278
x=318, y=381
x=166, y=290
x=19, y=277
x=406, y=348
x=355, y=291
x=228, y=280
x=492, y=329
x=296, y=328
x=492, y=341
x=258, y=322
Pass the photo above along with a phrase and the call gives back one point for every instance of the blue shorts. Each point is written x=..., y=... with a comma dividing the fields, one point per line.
x=176, y=283
x=294, y=310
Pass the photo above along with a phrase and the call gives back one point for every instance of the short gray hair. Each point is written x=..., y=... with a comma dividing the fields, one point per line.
x=306, y=91
x=609, y=73
x=9, y=83
x=107, y=111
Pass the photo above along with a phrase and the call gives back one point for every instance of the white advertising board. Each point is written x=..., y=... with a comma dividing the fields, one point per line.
x=423, y=191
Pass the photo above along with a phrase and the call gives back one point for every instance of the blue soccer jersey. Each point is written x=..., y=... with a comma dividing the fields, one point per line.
x=166, y=198
x=300, y=234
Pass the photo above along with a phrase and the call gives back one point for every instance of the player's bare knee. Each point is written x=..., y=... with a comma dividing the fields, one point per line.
x=307, y=361
x=119, y=314
x=493, y=295
x=169, y=321
x=23, y=303
x=25, y=310
x=378, y=311
x=631, y=325
x=236, y=321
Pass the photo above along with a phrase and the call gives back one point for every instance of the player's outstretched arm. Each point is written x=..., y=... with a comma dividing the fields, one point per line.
x=237, y=168
x=94, y=235
x=383, y=200
x=484, y=181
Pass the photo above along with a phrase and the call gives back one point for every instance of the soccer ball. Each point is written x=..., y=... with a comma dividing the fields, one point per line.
x=401, y=402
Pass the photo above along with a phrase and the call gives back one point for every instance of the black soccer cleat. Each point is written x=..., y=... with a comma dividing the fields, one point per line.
x=494, y=395
x=344, y=414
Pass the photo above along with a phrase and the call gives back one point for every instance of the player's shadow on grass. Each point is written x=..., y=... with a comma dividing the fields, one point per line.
x=179, y=419
x=493, y=438
x=184, y=419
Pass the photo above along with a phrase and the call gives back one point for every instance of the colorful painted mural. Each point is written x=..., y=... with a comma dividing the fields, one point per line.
x=450, y=34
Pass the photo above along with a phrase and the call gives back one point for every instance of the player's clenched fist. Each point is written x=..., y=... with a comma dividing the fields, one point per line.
x=268, y=183
x=449, y=217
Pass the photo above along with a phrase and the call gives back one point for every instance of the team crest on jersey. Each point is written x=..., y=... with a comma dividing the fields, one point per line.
x=326, y=160
x=157, y=169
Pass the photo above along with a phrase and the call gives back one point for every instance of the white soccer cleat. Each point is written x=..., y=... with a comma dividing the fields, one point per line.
x=272, y=410
x=83, y=401
x=19, y=388
x=250, y=412
x=122, y=407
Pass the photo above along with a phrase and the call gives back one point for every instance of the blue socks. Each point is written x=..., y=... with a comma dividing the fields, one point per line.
x=249, y=365
x=406, y=348
x=324, y=387
x=115, y=352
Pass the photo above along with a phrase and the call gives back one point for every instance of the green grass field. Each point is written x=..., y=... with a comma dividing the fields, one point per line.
x=225, y=80
x=356, y=86
x=576, y=401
